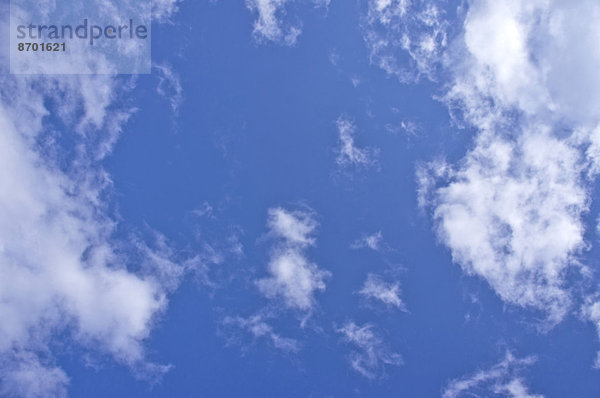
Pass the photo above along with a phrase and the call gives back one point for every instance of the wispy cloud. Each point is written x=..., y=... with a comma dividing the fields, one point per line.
x=503, y=379
x=375, y=288
x=273, y=24
x=163, y=10
x=270, y=24
x=373, y=242
x=591, y=312
x=348, y=153
x=293, y=277
x=258, y=328
x=406, y=39
x=169, y=86
x=371, y=355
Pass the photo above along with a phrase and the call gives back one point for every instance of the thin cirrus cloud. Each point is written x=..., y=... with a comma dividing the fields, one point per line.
x=511, y=211
x=405, y=38
x=62, y=271
x=257, y=327
x=348, y=153
x=388, y=293
x=169, y=86
x=163, y=10
x=504, y=379
x=370, y=355
x=292, y=276
x=373, y=242
x=272, y=23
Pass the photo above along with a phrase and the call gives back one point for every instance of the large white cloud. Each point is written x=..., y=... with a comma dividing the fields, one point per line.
x=536, y=57
x=59, y=267
x=512, y=215
x=521, y=73
x=62, y=269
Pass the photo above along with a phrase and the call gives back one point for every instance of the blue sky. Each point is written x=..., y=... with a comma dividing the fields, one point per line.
x=309, y=199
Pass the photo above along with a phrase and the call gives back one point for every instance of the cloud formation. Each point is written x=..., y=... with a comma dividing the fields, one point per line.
x=293, y=277
x=270, y=25
x=503, y=379
x=169, y=86
x=511, y=211
x=349, y=155
x=24, y=376
x=406, y=39
x=59, y=266
x=258, y=328
x=512, y=215
x=373, y=242
x=63, y=272
x=163, y=10
x=371, y=356
x=533, y=57
x=375, y=288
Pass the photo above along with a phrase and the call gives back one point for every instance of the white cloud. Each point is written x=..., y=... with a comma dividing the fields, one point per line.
x=205, y=210
x=512, y=215
x=511, y=211
x=591, y=312
x=502, y=379
x=373, y=242
x=169, y=86
x=348, y=153
x=509, y=55
x=371, y=355
x=58, y=266
x=270, y=24
x=293, y=277
x=163, y=10
x=523, y=73
x=322, y=3
x=63, y=272
x=24, y=376
x=388, y=293
x=258, y=328
x=406, y=127
x=536, y=57
x=296, y=228
x=406, y=39
x=428, y=176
